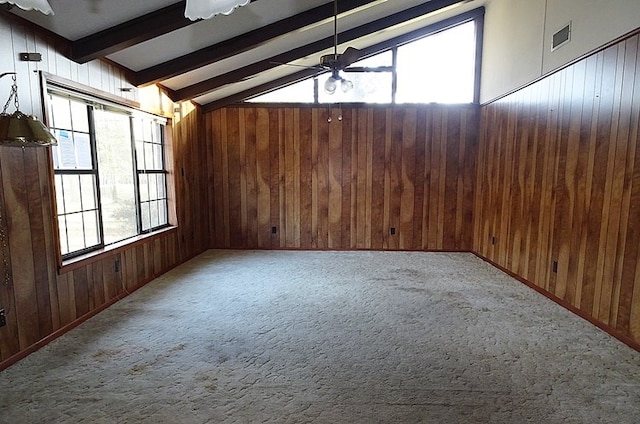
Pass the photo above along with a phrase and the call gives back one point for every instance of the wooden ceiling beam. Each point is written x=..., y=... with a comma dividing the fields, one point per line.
x=129, y=33
x=242, y=43
x=218, y=81
x=132, y=32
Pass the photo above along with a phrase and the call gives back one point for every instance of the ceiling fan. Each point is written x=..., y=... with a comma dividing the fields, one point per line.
x=337, y=62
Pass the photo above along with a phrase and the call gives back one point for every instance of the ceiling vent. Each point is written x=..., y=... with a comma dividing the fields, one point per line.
x=561, y=37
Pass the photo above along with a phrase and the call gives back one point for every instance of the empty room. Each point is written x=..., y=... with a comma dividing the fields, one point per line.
x=320, y=211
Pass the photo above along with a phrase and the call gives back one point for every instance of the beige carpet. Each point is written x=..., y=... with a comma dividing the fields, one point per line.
x=329, y=337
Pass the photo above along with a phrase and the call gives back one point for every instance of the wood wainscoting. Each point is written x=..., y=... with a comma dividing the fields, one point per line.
x=40, y=300
x=558, y=193
x=370, y=178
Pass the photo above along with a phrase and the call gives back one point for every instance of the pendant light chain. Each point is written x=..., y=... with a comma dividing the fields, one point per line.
x=4, y=245
x=13, y=95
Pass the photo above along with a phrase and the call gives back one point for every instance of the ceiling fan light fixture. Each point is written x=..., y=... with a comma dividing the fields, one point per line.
x=330, y=85
x=205, y=9
x=346, y=85
x=39, y=5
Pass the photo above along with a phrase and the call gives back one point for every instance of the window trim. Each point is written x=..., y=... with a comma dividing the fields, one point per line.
x=90, y=94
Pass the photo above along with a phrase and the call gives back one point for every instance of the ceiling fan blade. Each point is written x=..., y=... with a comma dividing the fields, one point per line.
x=299, y=66
x=350, y=55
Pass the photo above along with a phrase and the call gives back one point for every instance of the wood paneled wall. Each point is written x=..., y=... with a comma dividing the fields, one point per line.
x=559, y=181
x=342, y=184
x=38, y=299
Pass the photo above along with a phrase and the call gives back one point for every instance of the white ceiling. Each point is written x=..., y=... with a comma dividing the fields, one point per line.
x=73, y=22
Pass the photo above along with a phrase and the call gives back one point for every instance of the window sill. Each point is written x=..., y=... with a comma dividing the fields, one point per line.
x=111, y=250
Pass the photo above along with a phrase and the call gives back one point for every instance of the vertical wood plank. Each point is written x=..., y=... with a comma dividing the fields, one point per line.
x=580, y=209
x=334, y=167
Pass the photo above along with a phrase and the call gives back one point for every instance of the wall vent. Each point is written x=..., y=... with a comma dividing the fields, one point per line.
x=561, y=37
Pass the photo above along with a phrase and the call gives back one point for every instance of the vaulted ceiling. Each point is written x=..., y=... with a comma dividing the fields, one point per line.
x=263, y=45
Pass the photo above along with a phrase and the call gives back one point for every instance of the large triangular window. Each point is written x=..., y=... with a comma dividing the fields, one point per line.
x=439, y=67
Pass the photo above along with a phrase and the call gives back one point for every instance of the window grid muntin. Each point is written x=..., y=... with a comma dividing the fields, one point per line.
x=157, y=140
x=149, y=135
x=66, y=215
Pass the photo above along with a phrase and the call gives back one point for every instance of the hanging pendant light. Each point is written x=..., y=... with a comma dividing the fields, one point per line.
x=19, y=129
x=39, y=5
x=205, y=9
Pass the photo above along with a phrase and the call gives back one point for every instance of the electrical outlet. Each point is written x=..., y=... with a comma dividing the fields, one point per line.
x=274, y=230
x=393, y=231
x=554, y=267
x=3, y=318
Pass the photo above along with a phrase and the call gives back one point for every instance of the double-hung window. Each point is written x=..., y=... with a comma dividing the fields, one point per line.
x=109, y=170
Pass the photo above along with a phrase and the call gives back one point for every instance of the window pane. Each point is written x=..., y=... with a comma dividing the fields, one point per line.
x=59, y=194
x=79, y=116
x=153, y=207
x=62, y=228
x=117, y=188
x=380, y=59
x=147, y=130
x=83, y=150
x=144, y=187
x=368, y=87
x=65, y=150
x=91, y=227
x=153, y=187
x=73, y=150
x=88, y=183
x=157, y=157
x=162, y=209
x=137, y=129
x=54, y=154
x=60, y=112
x=438, y=68
x=140, y=154
x=146, y=216
x=71, y=190
x=75, y=232
x=148, y=156
x=162, y=186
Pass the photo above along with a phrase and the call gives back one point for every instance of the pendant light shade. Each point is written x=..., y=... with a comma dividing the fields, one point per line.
x=21, y=130
x=39, y=5
x=205, y=9
x=18, y=129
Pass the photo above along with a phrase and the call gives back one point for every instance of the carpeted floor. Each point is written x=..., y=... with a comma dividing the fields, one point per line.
x=329, y=337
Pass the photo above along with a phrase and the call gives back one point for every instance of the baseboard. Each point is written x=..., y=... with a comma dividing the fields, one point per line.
x=48, y=339
x=73, y=324
x=604, y=327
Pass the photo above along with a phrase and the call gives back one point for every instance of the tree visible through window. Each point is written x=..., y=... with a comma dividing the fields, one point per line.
x=110, y=174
